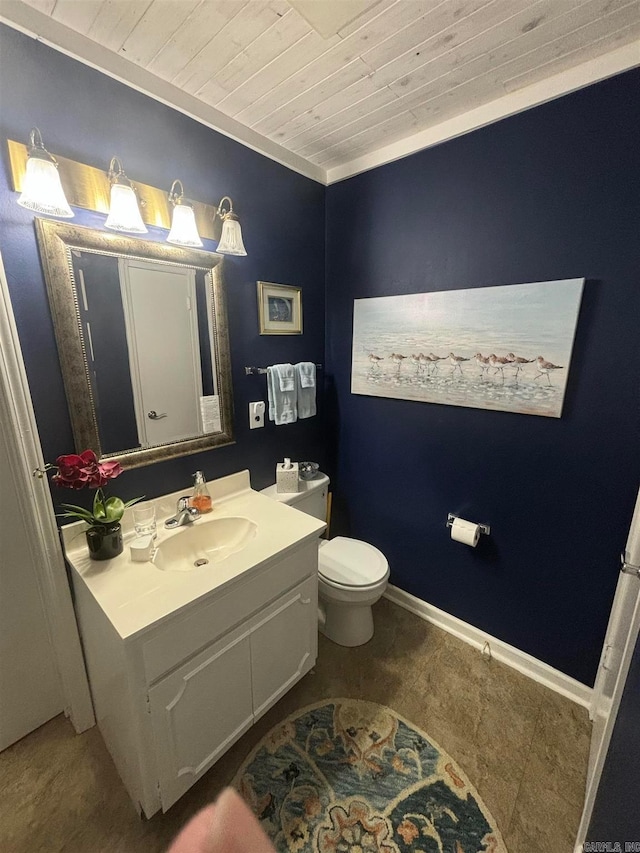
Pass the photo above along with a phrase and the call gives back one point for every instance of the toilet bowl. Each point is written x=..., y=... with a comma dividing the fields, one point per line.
x=352, y=575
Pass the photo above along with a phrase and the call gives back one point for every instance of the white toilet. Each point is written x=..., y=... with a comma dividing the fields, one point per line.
x=352, y=575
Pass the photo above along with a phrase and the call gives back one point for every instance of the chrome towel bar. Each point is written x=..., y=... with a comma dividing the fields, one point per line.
x=254, y=371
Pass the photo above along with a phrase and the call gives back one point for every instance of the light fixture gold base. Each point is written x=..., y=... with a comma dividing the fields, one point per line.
x=89, y=188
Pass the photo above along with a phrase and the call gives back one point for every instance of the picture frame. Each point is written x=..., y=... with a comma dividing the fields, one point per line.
x=279, y=309
x=505, y=347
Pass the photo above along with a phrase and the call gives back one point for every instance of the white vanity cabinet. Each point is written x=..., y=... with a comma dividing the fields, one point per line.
x=290, y=625
x=171, y=699
x=199, y=710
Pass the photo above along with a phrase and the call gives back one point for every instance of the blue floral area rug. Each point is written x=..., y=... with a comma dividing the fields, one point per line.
x=347, y=776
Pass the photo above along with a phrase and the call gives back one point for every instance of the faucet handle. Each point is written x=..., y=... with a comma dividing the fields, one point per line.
x=184, y=505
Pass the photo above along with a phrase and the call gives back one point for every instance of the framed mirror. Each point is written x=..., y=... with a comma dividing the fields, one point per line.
x=143, y=340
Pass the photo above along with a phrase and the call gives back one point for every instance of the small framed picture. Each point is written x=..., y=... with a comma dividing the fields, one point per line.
x=279, y=309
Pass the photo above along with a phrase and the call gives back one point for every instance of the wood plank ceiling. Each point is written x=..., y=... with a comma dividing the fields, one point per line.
x=379, y=72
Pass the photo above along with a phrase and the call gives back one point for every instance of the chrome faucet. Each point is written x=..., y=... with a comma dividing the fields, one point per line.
x=185, y=514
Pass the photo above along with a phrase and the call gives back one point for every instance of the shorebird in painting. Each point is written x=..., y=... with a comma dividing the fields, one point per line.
x=498, y=362
x=434, y=359
x=425, y=362
x=546, y=367
x=456, y=361
x=482, y=362
x=375, y=360
x=396, y=358
x=415, y=360
x=517, y=361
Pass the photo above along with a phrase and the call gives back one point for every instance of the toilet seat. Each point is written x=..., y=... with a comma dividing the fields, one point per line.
x=350, y=563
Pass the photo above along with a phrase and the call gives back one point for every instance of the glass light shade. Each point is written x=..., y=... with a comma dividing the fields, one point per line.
x=231, y=238
x=124, y=213
x=184, y=231
x=42, y=190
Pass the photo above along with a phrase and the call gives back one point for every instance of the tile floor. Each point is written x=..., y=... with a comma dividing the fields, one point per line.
x=523, y=747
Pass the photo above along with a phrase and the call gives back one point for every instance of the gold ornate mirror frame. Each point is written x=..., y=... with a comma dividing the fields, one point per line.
x=56, y=241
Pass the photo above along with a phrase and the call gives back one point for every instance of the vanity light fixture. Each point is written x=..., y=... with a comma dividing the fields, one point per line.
x=184, y=231
x=124, y=213
x=42, y=190
x=231, y=237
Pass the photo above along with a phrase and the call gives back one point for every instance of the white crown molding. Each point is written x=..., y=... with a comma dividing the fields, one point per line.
x=509, y=655
x=33, y=23
x=607, y=65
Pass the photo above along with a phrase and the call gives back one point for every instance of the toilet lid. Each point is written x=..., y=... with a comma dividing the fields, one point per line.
x=351, y=562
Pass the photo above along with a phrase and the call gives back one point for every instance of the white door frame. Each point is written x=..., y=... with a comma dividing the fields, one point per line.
x=21, y=433
x=625, y=586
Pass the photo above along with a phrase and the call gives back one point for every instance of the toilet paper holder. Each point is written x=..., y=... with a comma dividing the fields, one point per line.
x=484, y=528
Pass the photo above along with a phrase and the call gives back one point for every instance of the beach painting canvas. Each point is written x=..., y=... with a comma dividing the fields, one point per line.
x=506, y=347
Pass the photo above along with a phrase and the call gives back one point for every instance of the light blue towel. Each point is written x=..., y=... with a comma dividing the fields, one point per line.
x=306, y=388
x=281, y=389
x=286, y=376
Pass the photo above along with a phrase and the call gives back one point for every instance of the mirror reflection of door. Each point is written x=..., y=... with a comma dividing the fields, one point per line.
x=161, y=324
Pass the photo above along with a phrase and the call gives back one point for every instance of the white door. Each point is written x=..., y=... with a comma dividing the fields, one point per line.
x=291, y=626
x=30, y=687
x=620, y=641
x=41, y=662
x=164, y=352
x=199, y=711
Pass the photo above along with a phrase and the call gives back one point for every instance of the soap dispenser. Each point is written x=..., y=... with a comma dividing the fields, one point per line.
x=201, y=499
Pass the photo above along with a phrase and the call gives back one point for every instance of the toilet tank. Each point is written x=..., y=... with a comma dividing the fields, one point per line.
x=312, y=497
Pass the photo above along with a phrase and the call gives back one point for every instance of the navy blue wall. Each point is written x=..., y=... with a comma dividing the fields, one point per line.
x=545, y=195
x=548, y=194
x=87, y=116
x=615, y=813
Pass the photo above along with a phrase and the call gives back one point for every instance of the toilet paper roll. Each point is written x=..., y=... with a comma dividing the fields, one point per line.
x=465, y=531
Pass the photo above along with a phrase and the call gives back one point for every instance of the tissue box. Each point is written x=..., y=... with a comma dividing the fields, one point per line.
x=287, y=479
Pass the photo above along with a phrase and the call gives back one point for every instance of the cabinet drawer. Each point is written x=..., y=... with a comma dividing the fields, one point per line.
x=205, y=622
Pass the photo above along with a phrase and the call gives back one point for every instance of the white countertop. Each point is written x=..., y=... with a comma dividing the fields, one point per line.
x=136, y=595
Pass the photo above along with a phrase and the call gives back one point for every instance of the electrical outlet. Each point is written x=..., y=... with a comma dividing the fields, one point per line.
x=256, y=415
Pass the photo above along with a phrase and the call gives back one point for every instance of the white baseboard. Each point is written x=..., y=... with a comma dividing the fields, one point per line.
x=521, y=661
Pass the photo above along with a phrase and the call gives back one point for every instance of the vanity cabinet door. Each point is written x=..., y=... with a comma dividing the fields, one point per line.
x=199, y=710
x=284, y=644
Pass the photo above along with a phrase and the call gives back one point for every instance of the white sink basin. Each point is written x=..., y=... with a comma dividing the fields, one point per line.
x=204, y=543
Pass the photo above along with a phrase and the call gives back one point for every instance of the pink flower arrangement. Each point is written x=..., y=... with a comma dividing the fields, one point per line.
x=80, y=471
x=77, y=471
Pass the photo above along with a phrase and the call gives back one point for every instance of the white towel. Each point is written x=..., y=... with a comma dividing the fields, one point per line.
x=281, y=389
x=306, y=388
x=286, y=376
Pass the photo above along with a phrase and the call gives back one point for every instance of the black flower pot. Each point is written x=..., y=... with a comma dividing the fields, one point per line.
x=104, y=541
